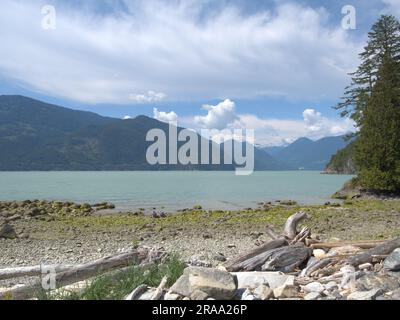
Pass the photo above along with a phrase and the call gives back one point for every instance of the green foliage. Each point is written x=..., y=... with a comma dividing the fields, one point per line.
x=342, y=162
x=384, y=39
x=373, y=102
x=378, y=147
x=118, y=285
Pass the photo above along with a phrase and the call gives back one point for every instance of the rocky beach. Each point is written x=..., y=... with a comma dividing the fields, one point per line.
x=51, y=233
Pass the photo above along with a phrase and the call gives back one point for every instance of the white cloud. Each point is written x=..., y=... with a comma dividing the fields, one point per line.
x=393, y=6
x=312, y=119
x=151, y=96
x=165, y=116
x=272, y=132
x=188, y=50
x=219, y=116
x=127, y=118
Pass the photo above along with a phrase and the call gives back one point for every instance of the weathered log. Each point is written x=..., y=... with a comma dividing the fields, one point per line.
x=159, y=291
x=76, y=274
x=382, y=249
x=237, y=263
x=287, y=259
x=135, y=294
x=361, y=244
x=316, y=265
x=290, y=230
x=31, y=271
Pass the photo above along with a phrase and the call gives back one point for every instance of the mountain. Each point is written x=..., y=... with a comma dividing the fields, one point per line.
x=38, y=136
x=308, y=154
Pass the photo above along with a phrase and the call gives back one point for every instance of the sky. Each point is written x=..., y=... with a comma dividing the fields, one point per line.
x=275, y=66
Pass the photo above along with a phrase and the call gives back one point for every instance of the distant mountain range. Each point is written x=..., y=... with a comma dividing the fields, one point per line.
x=307, y=154
x=44, y=137
x=36, y=136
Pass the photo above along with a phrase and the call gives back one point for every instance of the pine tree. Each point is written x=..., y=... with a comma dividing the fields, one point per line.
x=384, y=39
x=377, y=152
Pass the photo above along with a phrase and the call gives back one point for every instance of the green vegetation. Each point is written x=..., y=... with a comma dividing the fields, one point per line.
x=342, y=162
x=117, y=285
x=373, y=102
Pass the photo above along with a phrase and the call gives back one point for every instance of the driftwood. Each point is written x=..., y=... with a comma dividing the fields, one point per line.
x=368, y=256
x=31, y=271
x=236, y=264
x=316, y=265
x=160, y=290
x=359, y=244
x=135, y=295
x=76, y=274
x=286, y=259
x=290, y=230
x=276, y=254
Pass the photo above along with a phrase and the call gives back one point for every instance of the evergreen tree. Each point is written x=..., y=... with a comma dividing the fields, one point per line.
x=377, y=152
x=384, y=39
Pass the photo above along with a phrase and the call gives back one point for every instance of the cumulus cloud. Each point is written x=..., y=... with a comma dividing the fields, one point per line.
x=312, y=119
x=274, y=132
x=127, y=118
x=151, y=96
x=290, y=50
x=165, y=116
x=219, y=116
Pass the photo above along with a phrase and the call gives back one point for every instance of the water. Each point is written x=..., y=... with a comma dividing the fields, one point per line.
x=171, y=190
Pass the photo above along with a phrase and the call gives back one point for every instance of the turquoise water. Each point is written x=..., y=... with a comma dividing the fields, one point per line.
x=172, y=190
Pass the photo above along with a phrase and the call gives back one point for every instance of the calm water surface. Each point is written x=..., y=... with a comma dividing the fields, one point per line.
x=171, y=190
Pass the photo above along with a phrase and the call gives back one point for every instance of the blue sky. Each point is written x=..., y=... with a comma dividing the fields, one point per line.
x=275, y=66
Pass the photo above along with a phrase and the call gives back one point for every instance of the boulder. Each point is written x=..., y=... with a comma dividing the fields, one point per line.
x=263, y=292
x=312, y=296
x=313, y=287
x=198, y=295
x=255, y=279
x=217, y=284
x=371, y=281
x=7, y=231
x=182, y=286
x=286, y=291
x=392, y=262
x=365, y=295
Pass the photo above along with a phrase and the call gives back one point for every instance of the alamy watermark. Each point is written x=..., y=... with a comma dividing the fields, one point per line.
x=349, y=21
x=49, y=20
x=188, y=147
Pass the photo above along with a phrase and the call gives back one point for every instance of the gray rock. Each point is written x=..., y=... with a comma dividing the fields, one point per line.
x=248, y=295
x=198, y=295
x=218, y=284
x=215, y=283
x=312, y=296
x=7, y=231
x=372, y=281
x=365, y=295
x=182, y=286
x=255, y=279
x=286, y=291
x=395, y=295
x=313, y=287
x=332, y=285
x=392, y=262
x=263, y=293
x=170, y=296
